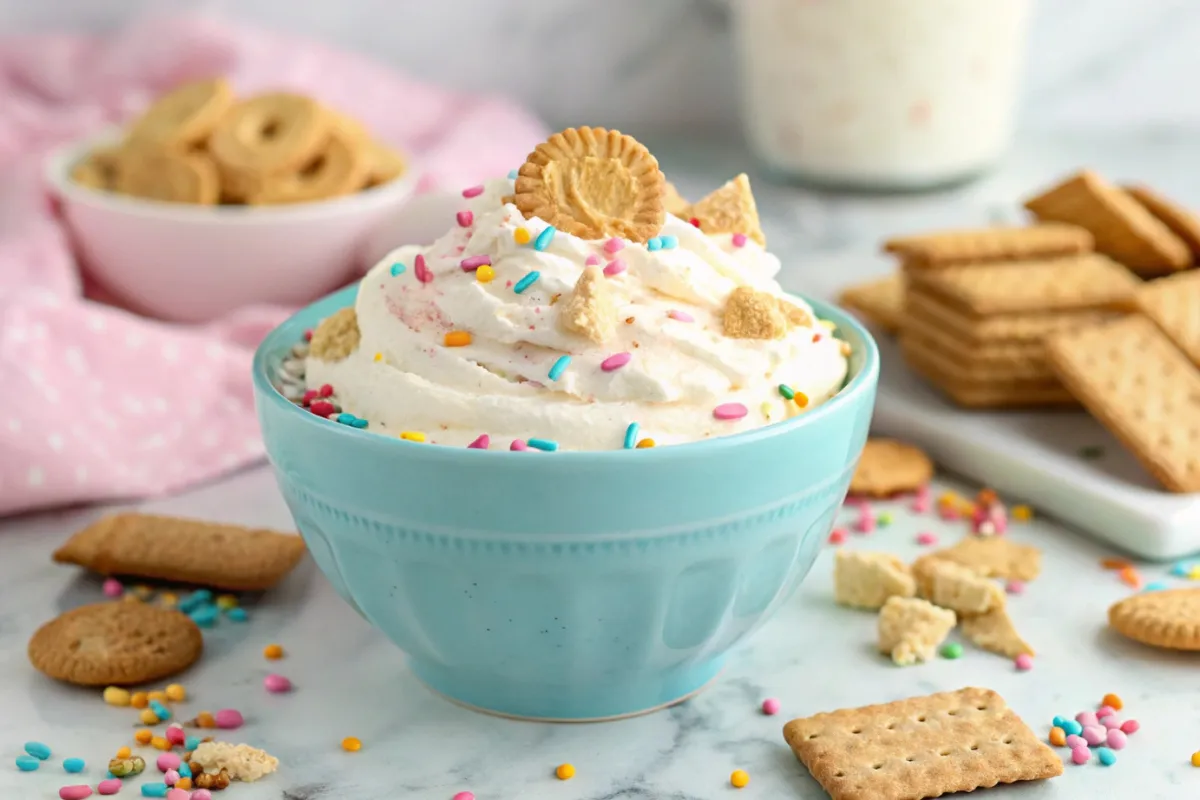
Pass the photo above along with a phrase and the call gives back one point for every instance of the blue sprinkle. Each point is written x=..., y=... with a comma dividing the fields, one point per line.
x=351, y=420
x=37, y=750
x=1155, y=586
x=653, y=244
x=1071, y=726
x=631, y=434
x=544, y=238
x=183, y=769
x=161, y=711
x=73, y=765
x=196, y=598
x=190, y=743
x=527, y=281
x=512, y=174
x=358, y=422
x=154, y=789
x=669, y=242
x=28, y=763
x=204, y=616
x=560, y=366
x=108, y=776
x=1180, y=569
x=1107, y=757
x=549, y=445
x=398, y=269
x=236, y=615
x=1058, y=722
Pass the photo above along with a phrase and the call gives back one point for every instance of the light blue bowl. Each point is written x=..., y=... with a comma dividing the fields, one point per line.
x=567, y=585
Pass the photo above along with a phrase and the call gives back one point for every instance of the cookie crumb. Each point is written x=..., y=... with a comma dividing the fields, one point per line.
x=911, y=629
x=589, y=310
x=241, y=761
x=750, y=314
x=336, y=337
x=866, y=580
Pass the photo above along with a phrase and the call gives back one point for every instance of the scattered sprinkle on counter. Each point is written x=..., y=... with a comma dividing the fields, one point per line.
x=143, y=736
x=237, y=614
x=1058, y=737
x=475, y=262
x=464, y=219
x=615, y=361
x=740, y=779
x=160, y=743
x=277, y=684
x=109, y=786
x=951, y=651
x=464, y=796
x=412, y=436
x=398, y=269
x=1080, y=755
x=837, y=536
x=351, y=744
x=926, y=539
x=113, y=588
x=485, y=274
x=544, y=238
x=521, y=236
x=884, y=519
x=527, y=281
x=1106, y=756
x=229, y=718
x=116, y=696
x=175, y=734
x=124, y=752
x=1196, y=759
x=74, y=764
x=38, y=750
x=730, y=411
x=473, y=191
x=770, y=706
x=1113, y=701
x=564, y=772
x=1023, y=662
x=175, y=692
x=75, y=792
x=28, y=763
x=560, y=366
x=546, y=445
x=457, y=339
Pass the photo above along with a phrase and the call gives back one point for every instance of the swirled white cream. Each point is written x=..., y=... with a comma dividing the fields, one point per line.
x=403, y=377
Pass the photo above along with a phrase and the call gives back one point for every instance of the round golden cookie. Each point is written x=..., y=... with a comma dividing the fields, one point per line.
x=115, y=644
x=271, y=133
x=184, y=116
x=385, y=164
x=592, y=183
x=888, y=466
x=99, y=169
x=341, y=168
x=169, y=176
x=1168, y=618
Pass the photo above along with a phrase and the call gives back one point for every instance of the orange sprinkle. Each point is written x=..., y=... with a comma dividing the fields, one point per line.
x=457, y=339
x=159, y=743
x=205, y=720
x=1112, y=700
x=143, y=736
x=1058, y=737
x=351, y=744
x=183, y=783
x=521, y=236
x=139, y=700
x=1022, y=513
x=1130, y=577
x=647, y=442
x=800, y=399
x=1116, y=563
x=986, y=497
x=273, y=652
x=125, y=752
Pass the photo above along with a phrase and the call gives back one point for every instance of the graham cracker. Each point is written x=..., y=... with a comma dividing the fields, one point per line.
x=979, y=245
x=1080, y=282
x=888, y=466
x=184, y=550
x=121, y=644
x=750, y=314
x=995, y=557
x=960, y=589
x=1031, y=327
x=987, y=394
x=994, y=631
x=674, y=202
x=921, y=747
x=1123, y=228
x=950, y=360
x=881, y=301
x=1142, y=388
x=1182, y=223
x=1174, y=304
x=590, y=310
x=995, y=355
x=866, y=580
x=910, y=629
x=1169, y=618
x=730, y=209
x=336, y=337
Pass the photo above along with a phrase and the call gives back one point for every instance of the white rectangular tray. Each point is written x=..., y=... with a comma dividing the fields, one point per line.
x=1036, y=456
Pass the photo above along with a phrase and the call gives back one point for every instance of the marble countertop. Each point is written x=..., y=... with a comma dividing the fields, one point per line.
x=813, y=655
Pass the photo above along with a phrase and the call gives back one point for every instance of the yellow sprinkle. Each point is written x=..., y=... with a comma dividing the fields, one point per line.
x=1022, y=513
x=227, y=601
x=565, y=772
x=644, y=443
x=412, y=436
x=1196, y=759
x=521, y=236
x=844, y=348
x=168, y=600
x=124, y=752
x=828, y=324
x=159, y=743
x=139, y=700
x=1194, y=573
x=379, y=356
x=116, y=696
x=948, y=499
x=148, y=717
x=143, y=736
x=141, y=590
x=273, y=652
x=351, y=744
x=160, y=696
x=801, y=399
x=457, y=339
x=176, y=693
x=739, y=779
x=485, y=274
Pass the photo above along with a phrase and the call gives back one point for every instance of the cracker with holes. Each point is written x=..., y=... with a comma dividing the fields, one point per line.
x=888, y=466
x=910, y=629
x=866, y=580
x=920, y=747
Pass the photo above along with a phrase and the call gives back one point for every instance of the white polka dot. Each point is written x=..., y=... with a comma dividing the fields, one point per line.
x=153, y=442
x=194, y=407
x=96, y=386
x=170, y=352
x=37, y=331
x=229, y=460
x=76, y=361
x=14, y=425
x=81, y=474
x=51, y=394
x=133, y=339
x=36, y=476
x=96, y=323
x=36, y=375
x=252, y=446
x=158, y=404
x=18, y=335
x=209, y=439
x=55, y=441
x=133, y=405
x=214, y=351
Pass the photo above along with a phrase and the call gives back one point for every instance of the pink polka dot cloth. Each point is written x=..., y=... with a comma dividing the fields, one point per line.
x=101, y=404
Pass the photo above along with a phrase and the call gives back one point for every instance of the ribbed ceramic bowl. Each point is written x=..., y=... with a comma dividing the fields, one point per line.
x=566, y=585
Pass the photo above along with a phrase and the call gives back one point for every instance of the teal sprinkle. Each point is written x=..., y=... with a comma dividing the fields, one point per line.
x=1107, y=757
x=358, y=422
x=669, y=242
x=190, y=743
x=237, y=614
x=1155, y=586
x=560, y=366
x=73, y=765
x=154, y=789
x=108, y=776
x=37, y=750
x=544, y=238
x=158, y=708
x=528, y=280
x=205, y=617
x=786, y=391
x=512, y=174
x=1180, y=569
x=549, y=445
x=655, y=243
x=398, y=269
x=28, y=763
x=631, y=435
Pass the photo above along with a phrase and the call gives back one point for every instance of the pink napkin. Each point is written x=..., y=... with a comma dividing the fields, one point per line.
x=97, y=403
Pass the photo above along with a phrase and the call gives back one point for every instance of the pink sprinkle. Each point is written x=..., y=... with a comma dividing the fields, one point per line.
x=920, y=505
x=113, y=588
x=1075, y=740
x=837, y=536
x=322, y=408
x=1023, y=662
x=681, y=316
x=277, y=684
x=1105, y=711
x=614, y=245
x=1116, y=739
x=175, y=734
x=1014, y=587
x=739, y=240
x=474, y=262
x=75, y=792
x=770, y=706
x=179, y=794
x=167, y=762
x=518, y=445
x=1111, y=722
x=1130, y=726
x=592, y=260
x=948, y=513
x=926, y=538
x=1094, y=734
x=482, y=443
x=465, y=218
x=110, y=786
x=730, y=411
x=463, y=796
x=1080, y=755
x=326, y=390
x=618, y=360
x=309, y=396
x=615, y=267
x=1086, y=718
x=229, y=718
x=201, y=794
x=422, y=272
x=473, y=191
x=865, y=524
x=171, y=778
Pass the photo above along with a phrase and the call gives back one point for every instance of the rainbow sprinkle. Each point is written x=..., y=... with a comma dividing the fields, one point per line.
x=654, y=243
x=527, y=281
x=482, y=443
x=631, y=435
x=398, y=269
x=681, y=316
x=548, y=445
x=412, y=436
x=475, y=262
x=521, y=236
x=592, y=260
x=465, y=218
x=668, y=242
x=615, y=267
x=518, y=445
x=645, y=443
x=739, y=240
x=730, y=411
x=544, y=238
x=614, y=245
x=422, y=271
x=786, y=391
x=473, y=191
x=512, y=174
x=560, y=366
x=615, y=361
x=351, y=420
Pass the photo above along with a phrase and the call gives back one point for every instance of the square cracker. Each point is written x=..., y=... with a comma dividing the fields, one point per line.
x=977, y=245
x=995, y=557
x=1081, y=282
x=184, y=550
x=1123, y=227
x=881, y=301
x=970, y=393
x=948, y=357
x=1023, y=327
x=866, y=580
x=1174, y=304
x=1183, y=223
x=1142, y=388
x=921, y=747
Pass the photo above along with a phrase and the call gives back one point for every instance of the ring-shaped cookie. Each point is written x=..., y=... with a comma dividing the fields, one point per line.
x=184, y=117
x=339, y=169
x=169, y=176
x=271, y=133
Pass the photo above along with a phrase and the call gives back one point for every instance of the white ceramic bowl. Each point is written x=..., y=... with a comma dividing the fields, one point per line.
x=194, y=263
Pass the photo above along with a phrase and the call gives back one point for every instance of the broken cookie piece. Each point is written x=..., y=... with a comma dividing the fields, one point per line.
x=867, y=580
x=730, y=209
x=995, y=632
x=589, y=310
x=911, y=629
x=953, y=586
x=995, y=557
x=750, y=314
x=336, y=337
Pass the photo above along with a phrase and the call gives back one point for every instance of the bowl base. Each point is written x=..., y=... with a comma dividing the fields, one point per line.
x=539, y=702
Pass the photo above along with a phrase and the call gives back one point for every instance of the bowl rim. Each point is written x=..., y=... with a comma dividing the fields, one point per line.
x=58, y=163
x=290, y=331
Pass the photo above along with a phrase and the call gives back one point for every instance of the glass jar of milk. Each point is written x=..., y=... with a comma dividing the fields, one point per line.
x=880, y=94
